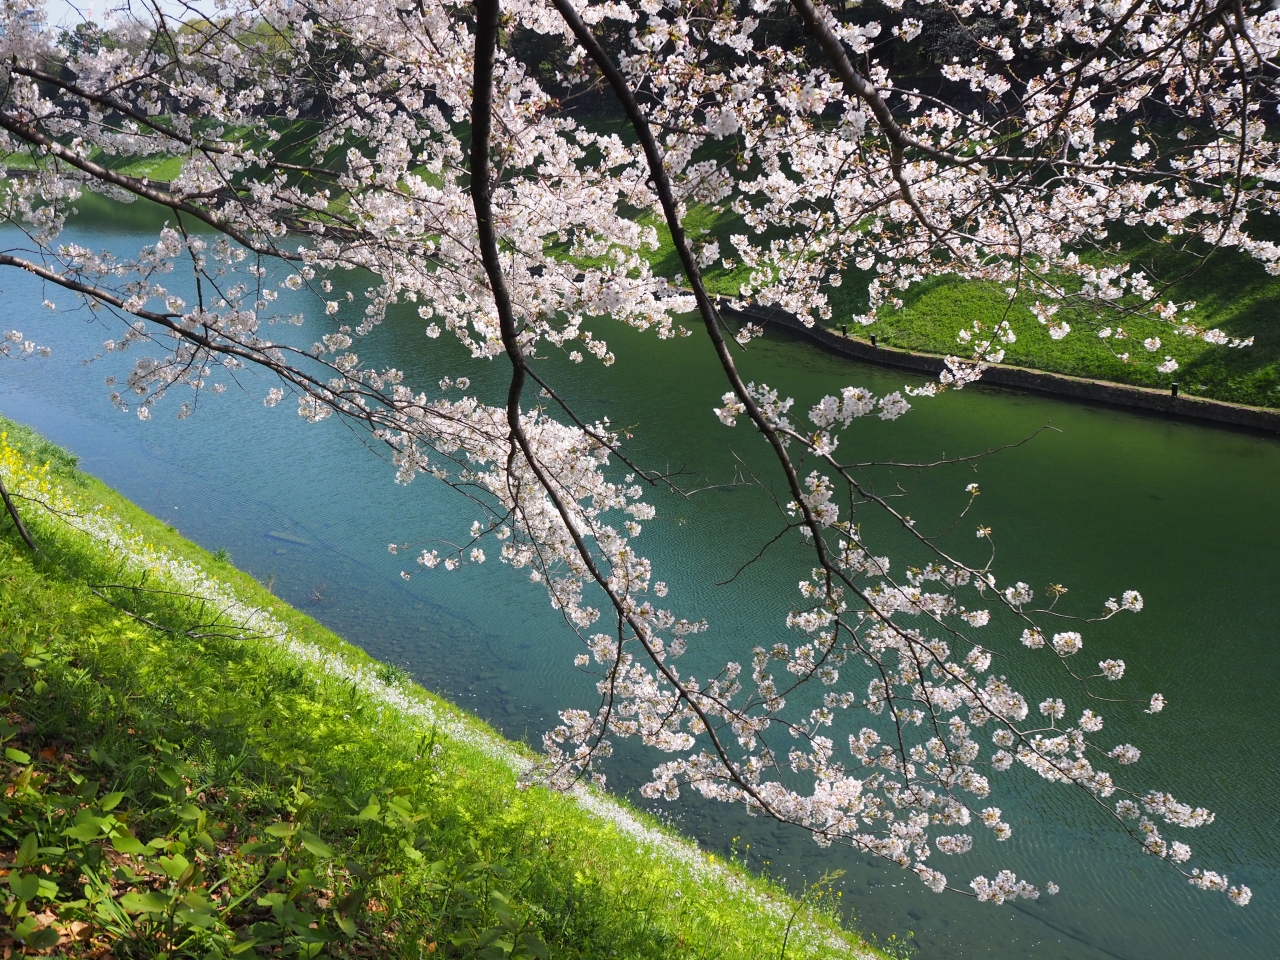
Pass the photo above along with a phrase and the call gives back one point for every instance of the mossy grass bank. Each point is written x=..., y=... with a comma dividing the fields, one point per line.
x=194, y=769
x=1231, y=292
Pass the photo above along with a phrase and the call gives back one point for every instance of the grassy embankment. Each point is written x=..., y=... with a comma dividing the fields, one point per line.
x=1231, y=292
x=157, y=168
x=194, y=769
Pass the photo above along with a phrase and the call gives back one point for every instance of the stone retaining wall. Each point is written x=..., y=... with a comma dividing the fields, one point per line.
x=1040, y=381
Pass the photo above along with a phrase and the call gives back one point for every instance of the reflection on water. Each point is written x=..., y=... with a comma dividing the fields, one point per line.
x=1105, y=501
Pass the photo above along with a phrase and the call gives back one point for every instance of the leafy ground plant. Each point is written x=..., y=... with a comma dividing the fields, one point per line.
x=125, y=833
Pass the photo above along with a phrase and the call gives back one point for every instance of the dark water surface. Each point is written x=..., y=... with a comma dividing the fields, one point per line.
x=1102, y=502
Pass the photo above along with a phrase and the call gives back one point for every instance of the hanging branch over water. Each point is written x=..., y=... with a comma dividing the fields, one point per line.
x=439, y=148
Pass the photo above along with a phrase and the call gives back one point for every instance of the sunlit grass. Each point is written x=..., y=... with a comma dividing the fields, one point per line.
x=271, y=766
x=1231, y=292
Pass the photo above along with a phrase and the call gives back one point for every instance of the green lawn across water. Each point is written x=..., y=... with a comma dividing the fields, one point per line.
x=159, y=168
x=1231, y=292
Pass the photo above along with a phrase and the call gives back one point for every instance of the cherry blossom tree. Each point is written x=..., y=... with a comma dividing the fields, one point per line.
x=452, y=153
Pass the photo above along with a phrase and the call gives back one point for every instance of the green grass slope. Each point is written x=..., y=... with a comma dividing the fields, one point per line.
x=194, y=769
x=1231, y=292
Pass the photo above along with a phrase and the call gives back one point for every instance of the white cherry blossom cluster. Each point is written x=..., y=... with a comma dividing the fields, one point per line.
x=458, y=176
